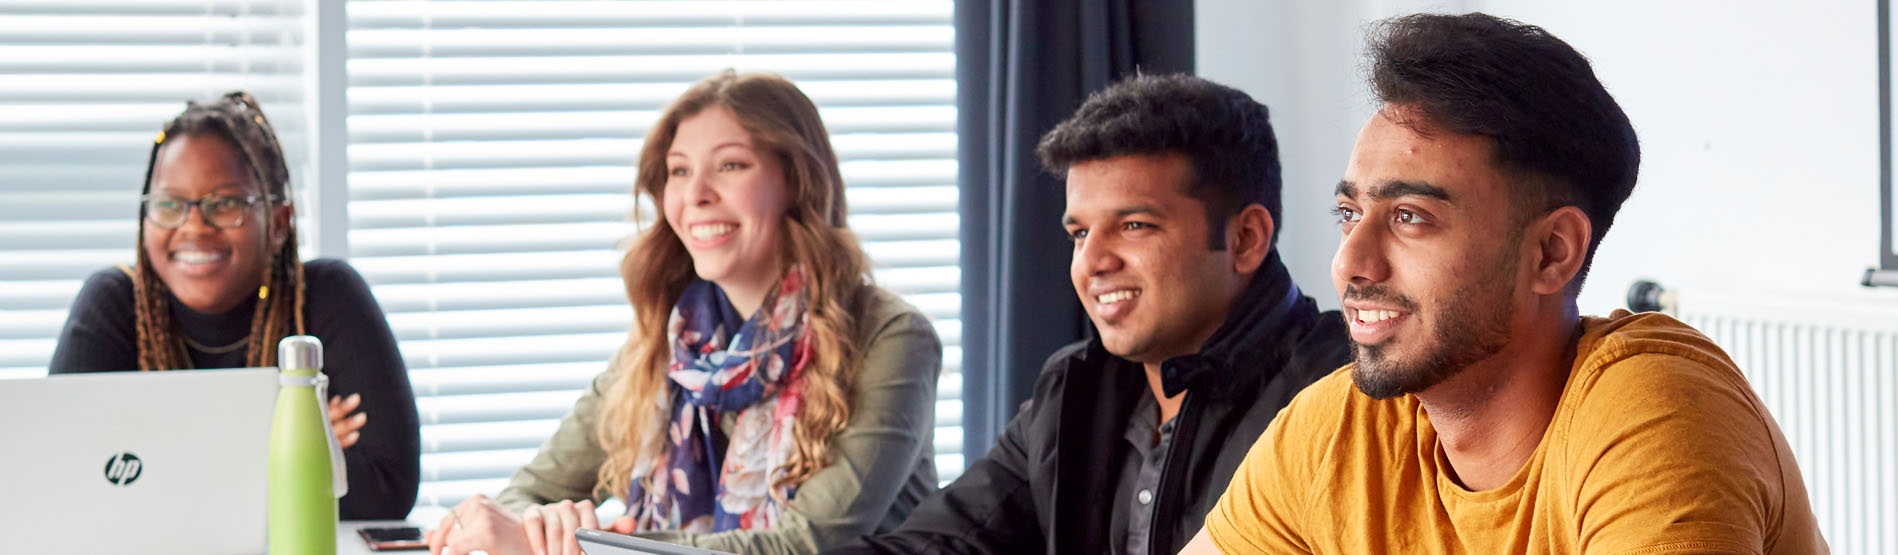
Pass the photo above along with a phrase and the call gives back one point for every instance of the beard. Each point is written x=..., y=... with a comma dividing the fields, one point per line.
x=1470, y=328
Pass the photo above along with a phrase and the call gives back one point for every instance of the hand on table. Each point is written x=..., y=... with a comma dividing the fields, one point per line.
x=480, y=523
x=549, y=528
x=477, y=524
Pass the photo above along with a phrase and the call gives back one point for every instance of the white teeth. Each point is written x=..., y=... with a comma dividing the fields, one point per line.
x=197, y=257
x=1118, y=296
x=1375, y=316
x=710, y=231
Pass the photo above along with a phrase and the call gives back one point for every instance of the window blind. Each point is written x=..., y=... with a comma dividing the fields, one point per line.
x=85, y=85
x=491, y=152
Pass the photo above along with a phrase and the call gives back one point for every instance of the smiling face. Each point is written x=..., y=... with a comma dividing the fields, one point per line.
x=726, y=199
x=1428, y=267
x=1141, y=264
x=210, y=270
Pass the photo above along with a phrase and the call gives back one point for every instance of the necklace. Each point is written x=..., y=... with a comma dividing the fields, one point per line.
x=209, y=350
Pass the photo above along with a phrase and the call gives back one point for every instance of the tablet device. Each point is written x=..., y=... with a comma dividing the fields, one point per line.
x=597, y=542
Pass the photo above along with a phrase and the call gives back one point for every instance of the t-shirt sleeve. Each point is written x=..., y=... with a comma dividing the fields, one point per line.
x=99, y=333
x=1259, y=513
x=1672, y=455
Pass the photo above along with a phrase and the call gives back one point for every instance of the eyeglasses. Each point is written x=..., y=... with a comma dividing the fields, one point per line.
x=219, y=211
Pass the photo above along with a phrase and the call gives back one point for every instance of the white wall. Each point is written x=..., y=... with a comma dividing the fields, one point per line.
x=1758, y=123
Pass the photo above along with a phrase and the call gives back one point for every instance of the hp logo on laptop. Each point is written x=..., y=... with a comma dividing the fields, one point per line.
x=122, y=468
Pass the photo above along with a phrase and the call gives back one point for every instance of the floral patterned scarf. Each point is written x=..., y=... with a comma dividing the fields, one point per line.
x=722, y=363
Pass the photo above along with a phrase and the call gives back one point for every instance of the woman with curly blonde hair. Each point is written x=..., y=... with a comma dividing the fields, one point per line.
x=769, y=398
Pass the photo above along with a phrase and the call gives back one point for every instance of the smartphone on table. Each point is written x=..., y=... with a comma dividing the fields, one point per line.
x=399, y=538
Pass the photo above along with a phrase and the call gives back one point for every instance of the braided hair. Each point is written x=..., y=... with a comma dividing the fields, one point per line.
x=237, y=118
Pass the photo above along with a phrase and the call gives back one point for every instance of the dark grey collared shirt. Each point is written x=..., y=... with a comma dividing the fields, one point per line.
x=1139, y=486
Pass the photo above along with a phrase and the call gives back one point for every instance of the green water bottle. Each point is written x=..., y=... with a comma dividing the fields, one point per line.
x=305, y=473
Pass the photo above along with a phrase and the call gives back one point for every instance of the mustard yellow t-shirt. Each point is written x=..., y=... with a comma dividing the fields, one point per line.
x=1658, y=446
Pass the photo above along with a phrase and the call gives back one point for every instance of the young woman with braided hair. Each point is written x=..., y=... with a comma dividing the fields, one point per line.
x=769, y=399
x=219, y=288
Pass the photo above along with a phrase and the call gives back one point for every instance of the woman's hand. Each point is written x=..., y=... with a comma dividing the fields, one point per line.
x=478, y=524
x=549, y=528
x=347, y=428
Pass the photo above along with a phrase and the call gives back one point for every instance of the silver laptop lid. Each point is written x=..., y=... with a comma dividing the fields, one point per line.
x=136, y=462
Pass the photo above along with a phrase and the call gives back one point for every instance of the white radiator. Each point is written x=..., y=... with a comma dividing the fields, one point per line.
x=1827, y=368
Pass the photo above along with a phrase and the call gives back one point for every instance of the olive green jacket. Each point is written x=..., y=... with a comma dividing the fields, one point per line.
x=882, y=463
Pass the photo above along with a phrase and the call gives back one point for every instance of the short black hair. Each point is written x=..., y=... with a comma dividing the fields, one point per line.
x=1556, y=131
x=1225, y=135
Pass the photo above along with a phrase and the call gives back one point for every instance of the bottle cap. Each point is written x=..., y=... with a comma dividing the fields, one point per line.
x=299, y=352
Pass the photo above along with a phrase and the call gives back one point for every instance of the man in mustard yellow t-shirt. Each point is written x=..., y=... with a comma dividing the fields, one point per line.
x=1482, y=413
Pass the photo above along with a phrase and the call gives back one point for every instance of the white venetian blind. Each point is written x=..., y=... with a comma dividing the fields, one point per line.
x=85, y=85
x=491, y=173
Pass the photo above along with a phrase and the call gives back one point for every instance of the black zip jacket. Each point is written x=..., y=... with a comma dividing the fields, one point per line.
x=1048, y=484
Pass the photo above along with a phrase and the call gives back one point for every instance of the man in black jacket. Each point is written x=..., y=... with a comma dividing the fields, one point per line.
x=1172, y=202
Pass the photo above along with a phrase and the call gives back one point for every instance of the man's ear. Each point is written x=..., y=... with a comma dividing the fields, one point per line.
x=1559, y=246
x=1249, y=237
x=280, y=218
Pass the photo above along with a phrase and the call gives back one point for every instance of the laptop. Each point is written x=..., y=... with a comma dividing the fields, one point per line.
x=136, y=462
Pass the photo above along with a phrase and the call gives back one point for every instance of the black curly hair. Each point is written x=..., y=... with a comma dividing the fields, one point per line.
x=1225, y=135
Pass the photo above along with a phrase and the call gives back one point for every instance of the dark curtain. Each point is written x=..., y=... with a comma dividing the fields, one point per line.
x=1021, y=67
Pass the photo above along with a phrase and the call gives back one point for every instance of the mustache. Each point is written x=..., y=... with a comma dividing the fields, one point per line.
x=1378, y=294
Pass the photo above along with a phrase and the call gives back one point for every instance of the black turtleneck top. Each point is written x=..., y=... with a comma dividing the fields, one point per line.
x=360, y=356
